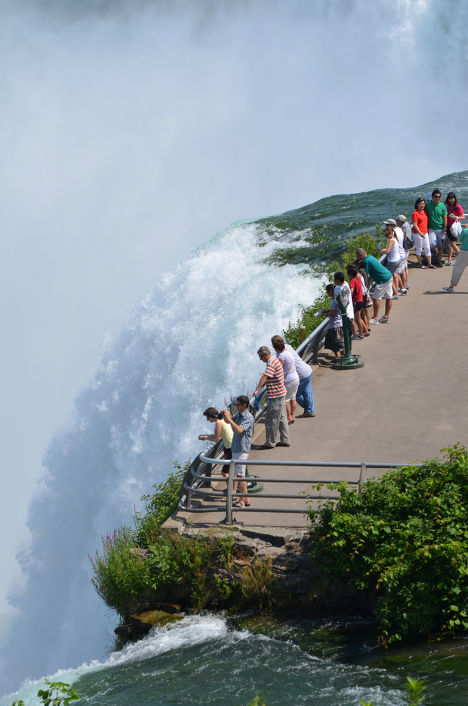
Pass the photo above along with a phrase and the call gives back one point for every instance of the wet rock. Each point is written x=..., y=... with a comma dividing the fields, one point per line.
x=141, y=623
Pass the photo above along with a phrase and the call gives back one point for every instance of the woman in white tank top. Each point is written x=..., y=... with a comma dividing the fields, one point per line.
x=392, y=252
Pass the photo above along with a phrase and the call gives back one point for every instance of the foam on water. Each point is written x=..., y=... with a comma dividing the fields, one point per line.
x=191, y=630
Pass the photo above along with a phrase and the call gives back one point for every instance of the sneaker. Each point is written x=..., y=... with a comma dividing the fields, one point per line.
x=384, y=319
x=356, y=337
x=374, y=321
x=448, y=289
x=432, y=267
x=449, y=262
x=402, y=292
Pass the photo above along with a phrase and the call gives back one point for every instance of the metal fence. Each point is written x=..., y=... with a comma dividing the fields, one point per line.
x=198, y=485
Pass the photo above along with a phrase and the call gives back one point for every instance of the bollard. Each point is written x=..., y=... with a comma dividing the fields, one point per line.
x=349, y=361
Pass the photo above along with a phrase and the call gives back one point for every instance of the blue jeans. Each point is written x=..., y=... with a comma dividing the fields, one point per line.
x=305, y=396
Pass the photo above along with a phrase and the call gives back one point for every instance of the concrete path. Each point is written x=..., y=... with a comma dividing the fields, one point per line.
x=408, y=401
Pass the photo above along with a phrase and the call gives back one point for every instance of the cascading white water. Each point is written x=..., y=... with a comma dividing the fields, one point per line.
x=213, y=113
x=187, y=346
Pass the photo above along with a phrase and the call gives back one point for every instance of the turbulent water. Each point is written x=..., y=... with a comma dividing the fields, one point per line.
x=191, y=342
x=204, y=660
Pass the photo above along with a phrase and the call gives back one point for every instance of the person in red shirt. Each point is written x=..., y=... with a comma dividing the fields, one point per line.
x=355, y=285
x=454, y=213
x=420, y=233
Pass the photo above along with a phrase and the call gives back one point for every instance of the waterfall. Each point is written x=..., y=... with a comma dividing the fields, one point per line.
x=132, y=131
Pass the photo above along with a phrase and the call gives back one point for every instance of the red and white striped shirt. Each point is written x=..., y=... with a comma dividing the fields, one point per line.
x=275, y=378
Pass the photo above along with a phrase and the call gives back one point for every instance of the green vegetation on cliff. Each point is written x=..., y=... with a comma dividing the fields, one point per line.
x=405, y=537
x=307, y=319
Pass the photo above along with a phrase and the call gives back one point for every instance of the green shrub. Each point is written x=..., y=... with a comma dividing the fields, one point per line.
x=406, y=538
x=58, y=694
x=191, y=563
x=120, y=574
x=159, y=506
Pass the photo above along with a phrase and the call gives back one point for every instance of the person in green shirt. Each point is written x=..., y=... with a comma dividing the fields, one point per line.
x=437, y=221
x=383, y=284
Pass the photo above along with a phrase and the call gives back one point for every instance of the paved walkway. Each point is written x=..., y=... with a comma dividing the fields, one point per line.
x=408, y=401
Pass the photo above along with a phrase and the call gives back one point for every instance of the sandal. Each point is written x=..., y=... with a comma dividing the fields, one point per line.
x=424, y=267
x=240, y=505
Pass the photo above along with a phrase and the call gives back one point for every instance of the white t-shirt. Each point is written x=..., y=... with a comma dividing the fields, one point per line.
x=303, y=369
x=399, y=236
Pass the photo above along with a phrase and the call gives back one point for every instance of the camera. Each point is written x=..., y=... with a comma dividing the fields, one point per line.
x=219, y=415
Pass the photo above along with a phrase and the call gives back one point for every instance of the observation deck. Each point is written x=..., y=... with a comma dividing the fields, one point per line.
x=409, y=401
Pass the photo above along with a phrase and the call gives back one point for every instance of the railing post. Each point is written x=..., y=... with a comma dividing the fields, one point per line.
x=229, y=493
x=362, y=475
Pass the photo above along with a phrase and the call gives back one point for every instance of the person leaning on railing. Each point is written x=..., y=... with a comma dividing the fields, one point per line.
x=291, y=378
x=304, y=394
x=275, y=418
x=222, y=431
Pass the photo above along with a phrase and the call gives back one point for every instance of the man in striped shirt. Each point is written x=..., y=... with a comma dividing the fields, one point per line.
x=275, y=418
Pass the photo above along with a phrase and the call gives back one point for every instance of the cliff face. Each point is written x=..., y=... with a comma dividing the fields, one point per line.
x=269, y=570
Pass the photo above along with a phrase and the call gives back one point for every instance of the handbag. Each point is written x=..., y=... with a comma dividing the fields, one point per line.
x=456, y=229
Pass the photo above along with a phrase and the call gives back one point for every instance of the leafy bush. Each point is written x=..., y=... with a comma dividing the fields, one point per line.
x=120, y=573
x=173, y=566
x=406, y=538
x=58, y=694
x=159, y=506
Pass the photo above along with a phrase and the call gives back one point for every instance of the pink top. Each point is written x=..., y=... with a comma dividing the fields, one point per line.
x=453, y=211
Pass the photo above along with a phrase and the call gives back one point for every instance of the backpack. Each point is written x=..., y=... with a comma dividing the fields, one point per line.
x=407, y=242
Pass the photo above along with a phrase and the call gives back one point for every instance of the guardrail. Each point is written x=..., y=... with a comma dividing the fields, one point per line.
x=308, y=350
x=200, y=488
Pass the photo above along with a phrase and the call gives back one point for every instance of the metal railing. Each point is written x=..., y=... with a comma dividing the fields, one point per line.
x=308, y=350
x=198, y=485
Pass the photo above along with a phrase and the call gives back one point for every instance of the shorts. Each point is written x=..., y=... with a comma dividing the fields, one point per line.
x=291, y=389
x=393, y=266
x=402, y=266
x=383, y=291
x=436, y=238
x=240, y=467
x=358, y=306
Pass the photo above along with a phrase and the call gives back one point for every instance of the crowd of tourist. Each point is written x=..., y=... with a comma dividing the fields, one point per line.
x=435, y=228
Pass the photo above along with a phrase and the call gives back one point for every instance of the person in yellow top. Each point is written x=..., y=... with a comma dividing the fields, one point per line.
x=222, y=430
